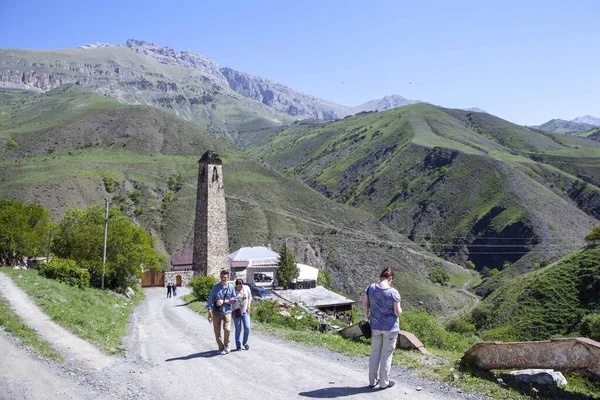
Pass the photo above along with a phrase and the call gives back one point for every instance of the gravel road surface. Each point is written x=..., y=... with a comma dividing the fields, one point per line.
x=171, y=354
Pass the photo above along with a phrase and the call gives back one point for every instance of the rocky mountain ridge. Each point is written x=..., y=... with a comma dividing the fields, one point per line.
x=587, y=119
x=576, y=125
x=183, y=82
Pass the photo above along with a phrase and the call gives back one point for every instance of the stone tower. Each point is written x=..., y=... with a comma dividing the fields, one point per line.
x=211, y=243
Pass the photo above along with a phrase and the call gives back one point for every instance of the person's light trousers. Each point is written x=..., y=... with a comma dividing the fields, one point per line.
x=383, y=344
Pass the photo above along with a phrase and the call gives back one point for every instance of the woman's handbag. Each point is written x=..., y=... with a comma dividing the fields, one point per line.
x=365, y=328
x=238, y=313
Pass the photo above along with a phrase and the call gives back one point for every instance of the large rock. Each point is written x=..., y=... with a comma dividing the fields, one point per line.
x=540, y=376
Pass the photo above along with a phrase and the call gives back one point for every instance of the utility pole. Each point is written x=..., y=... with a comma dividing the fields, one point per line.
x=48, y=248
x=105, y=235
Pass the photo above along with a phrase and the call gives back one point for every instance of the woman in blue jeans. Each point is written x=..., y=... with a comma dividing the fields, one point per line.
x=383, y=303
x=241, y=313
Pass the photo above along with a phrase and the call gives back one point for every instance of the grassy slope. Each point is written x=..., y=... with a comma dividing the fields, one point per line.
x=140, y=148
x=547, y=303
x=590, y=134
x=15, y=326
x=97, y=316
x=443, y=176
x=197, y=97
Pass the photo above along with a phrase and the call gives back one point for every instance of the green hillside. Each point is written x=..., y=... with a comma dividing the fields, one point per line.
x=546, y=303
x=460, y=183
x=593, y=134
x=145, y=161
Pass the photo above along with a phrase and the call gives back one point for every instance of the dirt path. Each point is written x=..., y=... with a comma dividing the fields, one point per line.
x=171, y=353
x=69, y=345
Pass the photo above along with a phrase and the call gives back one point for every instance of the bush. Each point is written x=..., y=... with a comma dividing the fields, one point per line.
x=66, y=271
x=429, y=331
x=175, y=182
x=109, y=184
x=590, y=326
x=11, y=144
x=440, y=276
x=265, y=311
x=593, y=236
x=470, y=264
x=201, y=286
x=459, y=325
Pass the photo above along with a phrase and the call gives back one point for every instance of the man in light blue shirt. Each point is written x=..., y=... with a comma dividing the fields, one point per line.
x=219, y=310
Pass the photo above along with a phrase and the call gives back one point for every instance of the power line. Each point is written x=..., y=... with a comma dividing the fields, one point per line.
x=492, y=245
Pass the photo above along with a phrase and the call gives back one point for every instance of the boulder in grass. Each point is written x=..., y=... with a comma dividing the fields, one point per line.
x=540, y=376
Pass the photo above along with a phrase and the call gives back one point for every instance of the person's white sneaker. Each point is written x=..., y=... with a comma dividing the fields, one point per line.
x=223, y=352
x=227, y=350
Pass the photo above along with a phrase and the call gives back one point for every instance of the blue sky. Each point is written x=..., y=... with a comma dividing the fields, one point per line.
x=525, y=61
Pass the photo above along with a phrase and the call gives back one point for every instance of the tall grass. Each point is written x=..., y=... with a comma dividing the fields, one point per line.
x=97, y=316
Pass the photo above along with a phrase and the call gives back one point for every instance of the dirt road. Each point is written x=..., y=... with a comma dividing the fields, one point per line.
x=171, y=353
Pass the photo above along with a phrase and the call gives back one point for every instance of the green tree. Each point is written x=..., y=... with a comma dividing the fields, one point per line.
x=593, y=236
x=288, y=270
x=23, y=229
x=129, y=248
x=325, y=279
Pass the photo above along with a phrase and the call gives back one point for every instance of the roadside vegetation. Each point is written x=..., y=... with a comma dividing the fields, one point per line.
x=15, y=326
x=447, y=343
x=98, y=316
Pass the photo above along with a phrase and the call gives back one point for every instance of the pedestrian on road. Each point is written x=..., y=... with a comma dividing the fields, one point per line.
x=383, y=303
x=174, y=289
x=241, y=313
x=221, y=298
x=168, y=290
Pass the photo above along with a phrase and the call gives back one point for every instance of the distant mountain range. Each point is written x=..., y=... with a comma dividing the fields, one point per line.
x=574, y=126
x=185, y=83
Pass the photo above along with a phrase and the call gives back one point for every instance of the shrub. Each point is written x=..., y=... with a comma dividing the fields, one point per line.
x=459, y=325
x=201, y=286
x=429, y=331
x=470, y=264
x=440, y=276
x=590, y=326
x=109, y=184
x=265, y=311
x=175, y=182
x=66, y=271
x=11, y=144
x=135, y=196
x=593, y=236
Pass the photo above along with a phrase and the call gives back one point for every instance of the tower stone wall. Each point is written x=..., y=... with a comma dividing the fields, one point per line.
x=211, y=242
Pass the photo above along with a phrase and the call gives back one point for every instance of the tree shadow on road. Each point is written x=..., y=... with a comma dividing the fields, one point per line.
x=185, y=304
x=340, y=391
x=204, y=354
